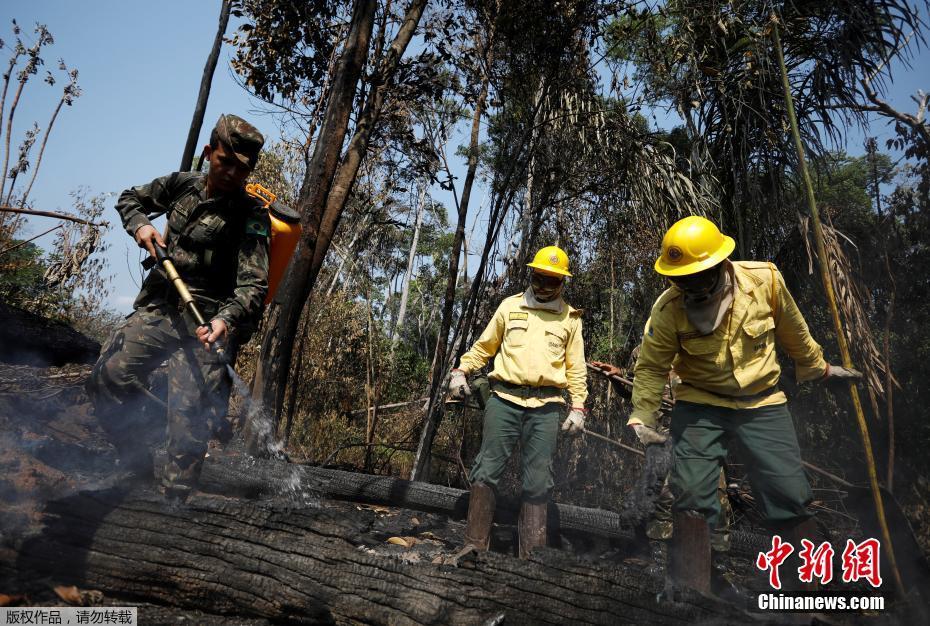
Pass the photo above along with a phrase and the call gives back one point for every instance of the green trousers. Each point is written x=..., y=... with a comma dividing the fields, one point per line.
x=536, y=428
x=701, y=433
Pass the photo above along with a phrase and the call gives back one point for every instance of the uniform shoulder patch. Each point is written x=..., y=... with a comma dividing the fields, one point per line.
x=518, y=315
x=575, y=312
x=256, y=227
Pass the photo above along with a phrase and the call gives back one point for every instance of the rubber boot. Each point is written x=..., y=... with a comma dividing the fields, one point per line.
x=689, y=557
x=531, y=527
x=793, y=533
x=480, y=516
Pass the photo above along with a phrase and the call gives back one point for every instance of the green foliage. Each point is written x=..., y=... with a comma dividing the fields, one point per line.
x=284, y=48
x=713, y=62
x=567, y=156
x=68, y=282
x=21, y=272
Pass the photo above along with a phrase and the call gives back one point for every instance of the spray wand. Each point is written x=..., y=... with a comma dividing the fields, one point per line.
x=164, y=259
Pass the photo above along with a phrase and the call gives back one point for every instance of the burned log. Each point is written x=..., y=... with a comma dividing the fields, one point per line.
x=29, y=339
x=248, y=477
x=315, y=565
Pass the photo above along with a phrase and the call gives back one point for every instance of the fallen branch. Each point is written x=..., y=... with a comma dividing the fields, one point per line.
x=55, y=214
x=387, y=406
x=227, y=474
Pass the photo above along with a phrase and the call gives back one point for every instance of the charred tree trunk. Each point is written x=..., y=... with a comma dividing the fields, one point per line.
x=321, y=215
x=200, y=109
x=270, y=479
x=284, y=311
x=28, y=339
x=440, y=358
x=317, y=565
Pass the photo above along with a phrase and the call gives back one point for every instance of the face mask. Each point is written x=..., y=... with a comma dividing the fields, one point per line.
x=546, y=288
x=700, y=285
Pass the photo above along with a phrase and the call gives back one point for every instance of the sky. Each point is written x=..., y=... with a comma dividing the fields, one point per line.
x=140, y=67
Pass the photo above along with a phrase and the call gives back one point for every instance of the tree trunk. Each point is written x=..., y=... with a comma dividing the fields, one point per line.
x=420, y=468
x=269, y=479
x=405, y=289
x=322, y=564
x=284, y=311
x=200, y=109
x=324, y=206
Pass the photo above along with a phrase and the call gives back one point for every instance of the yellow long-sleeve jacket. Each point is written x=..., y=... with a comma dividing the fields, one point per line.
x=736, y=364
x=534, y=348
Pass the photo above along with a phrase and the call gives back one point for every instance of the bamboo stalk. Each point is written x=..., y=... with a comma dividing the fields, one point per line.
x=834, y=311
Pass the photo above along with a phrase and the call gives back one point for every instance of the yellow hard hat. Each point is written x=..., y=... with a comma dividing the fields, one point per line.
x=551, y=260
x=691, y=245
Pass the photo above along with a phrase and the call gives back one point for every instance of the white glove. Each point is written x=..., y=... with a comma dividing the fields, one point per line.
x=648, y=435
x=458, y=386
x=574, y=423
x=837, y=373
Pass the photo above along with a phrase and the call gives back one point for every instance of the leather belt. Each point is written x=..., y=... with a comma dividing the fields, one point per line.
x=525, y=391
x=765, y=393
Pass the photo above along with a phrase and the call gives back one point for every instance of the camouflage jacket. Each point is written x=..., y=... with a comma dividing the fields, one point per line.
x=219, y=246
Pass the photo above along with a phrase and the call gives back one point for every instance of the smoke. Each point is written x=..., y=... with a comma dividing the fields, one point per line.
x=259, y=429
x=261, y=443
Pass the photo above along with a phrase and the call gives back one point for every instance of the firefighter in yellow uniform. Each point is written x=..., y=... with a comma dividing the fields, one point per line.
x=717, y=326
x=535, y=341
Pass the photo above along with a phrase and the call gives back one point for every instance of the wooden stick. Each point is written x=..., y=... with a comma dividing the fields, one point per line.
x=613, y=442
x=667, y=403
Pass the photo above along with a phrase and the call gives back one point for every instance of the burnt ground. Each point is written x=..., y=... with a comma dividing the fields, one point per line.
x=51, y=448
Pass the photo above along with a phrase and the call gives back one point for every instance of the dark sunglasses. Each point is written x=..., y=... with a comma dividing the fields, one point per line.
x=701, y=281
x=544, y=280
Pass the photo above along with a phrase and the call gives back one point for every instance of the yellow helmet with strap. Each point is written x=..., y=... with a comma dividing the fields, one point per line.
x=551, y=260
x=691, y=245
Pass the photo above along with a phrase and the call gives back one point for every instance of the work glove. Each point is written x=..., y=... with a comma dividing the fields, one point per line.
x=574, y=423
x=648, y=435
x=835, y=373
x=458, y=386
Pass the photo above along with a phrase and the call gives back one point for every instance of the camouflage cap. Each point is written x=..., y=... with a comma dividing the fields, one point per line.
x=244, y=139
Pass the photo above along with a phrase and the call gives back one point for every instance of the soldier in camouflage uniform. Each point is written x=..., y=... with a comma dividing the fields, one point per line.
x=218, y=238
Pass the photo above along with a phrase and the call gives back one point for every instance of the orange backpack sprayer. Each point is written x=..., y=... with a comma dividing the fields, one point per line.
x=285, y=232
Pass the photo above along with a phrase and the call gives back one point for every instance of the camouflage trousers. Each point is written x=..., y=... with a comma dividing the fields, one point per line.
x=659, y=527
x=198, y=388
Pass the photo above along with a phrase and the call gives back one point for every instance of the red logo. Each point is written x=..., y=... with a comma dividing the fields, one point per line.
x=860, y=561
x=554, y=259
x=773, y=558
x=816, y=563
